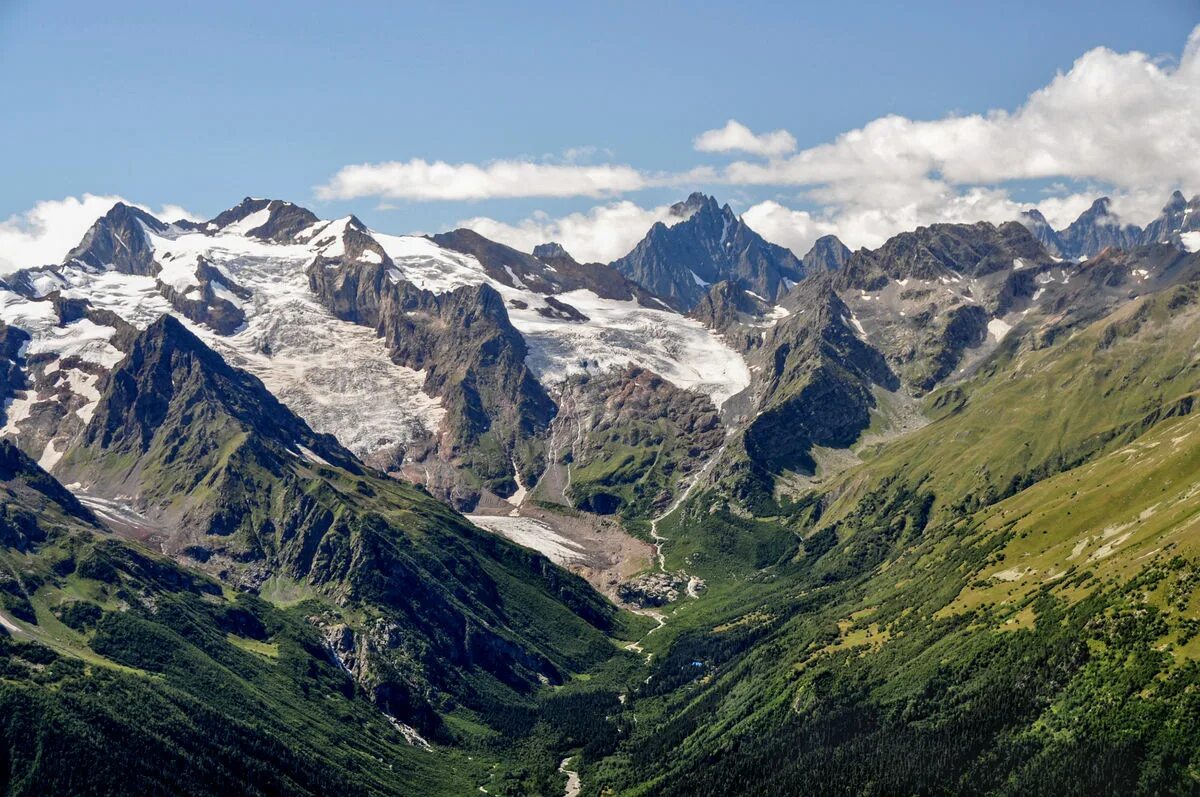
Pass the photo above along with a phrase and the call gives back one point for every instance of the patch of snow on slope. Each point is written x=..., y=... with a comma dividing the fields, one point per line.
x=429, y=266
x=179, y=273
x=858, y=325
x=50, y=456
x=533, y=534
x=998, y=328
x=681, y=350
x=252, y=222
x=1190, y=241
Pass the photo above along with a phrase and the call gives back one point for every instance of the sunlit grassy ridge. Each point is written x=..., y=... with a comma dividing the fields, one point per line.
x=1003, y=601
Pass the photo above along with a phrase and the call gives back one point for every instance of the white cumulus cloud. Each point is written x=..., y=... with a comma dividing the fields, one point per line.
x=736, y=137
x=601, y=234
x=418, y=179
x=1123, y=120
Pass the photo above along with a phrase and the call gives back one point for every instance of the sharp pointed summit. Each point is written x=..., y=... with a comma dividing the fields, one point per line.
x=708, y=244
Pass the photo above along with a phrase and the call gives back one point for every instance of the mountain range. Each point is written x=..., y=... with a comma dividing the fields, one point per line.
x=291, y=505
x=1098, y=228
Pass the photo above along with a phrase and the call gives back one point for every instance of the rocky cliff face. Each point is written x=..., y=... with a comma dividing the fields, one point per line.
x=814, y=383
x=828, y=253
x=1097, y=229
x=1046, y=235
x=638, y=439
x=118, y=241
x=471, y=356
x=739, y=316
x=927, y=297
x=710, y=244
x=266, y=219
x=1178, y=216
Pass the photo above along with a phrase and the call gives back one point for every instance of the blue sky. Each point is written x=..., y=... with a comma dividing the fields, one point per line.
x=198, y=105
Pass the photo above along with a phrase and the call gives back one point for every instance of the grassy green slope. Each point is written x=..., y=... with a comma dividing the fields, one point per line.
x=122, y=673
x=1005, y=601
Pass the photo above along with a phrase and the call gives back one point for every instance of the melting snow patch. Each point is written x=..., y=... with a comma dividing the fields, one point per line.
x=50, y=455
x=313, y=456
x=533, y=534
x=998, y=328
x=1190, y=241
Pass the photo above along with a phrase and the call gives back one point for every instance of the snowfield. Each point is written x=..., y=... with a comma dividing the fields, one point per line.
x=616, y=333
x=335, y=374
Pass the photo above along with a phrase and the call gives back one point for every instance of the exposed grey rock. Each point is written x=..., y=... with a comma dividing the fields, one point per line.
x=1178, y=216
x=653, y=589
x=117, y=240
x=733, y=312
x=828, y=253
x=284, y=221
x=708, y=245
x=549, y=251
x=472, y=356
x=550, y=270
x=1041, y=229
x=1097, y=229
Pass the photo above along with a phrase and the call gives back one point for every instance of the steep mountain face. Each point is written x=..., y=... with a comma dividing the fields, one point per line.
x=1097, y=229
x=640, y=438
x=929, y=298
x=266, y=219
x=470, y=431
x=710, y=244
x=1179, y=217
x=828, y=253
x=1046, y=235
x=735, y=313
x=225, y=478
x=118, y=240
x=219, y=691
x=815, y=385
x=471, y=356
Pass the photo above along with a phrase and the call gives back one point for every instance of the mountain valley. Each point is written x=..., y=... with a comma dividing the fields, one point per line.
x=401, y=514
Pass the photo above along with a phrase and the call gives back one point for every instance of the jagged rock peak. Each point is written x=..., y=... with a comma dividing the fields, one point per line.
x=695, y=202
x=1097, y=229
x=707, y=245
x=828, y=253
x=550, y=251
x=169, y=367
x=118, y=239
x=269, y=219
x=1037, y=224
x=1177, y=216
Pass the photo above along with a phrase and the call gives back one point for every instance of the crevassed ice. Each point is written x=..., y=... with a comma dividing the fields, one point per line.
x=617, y=333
